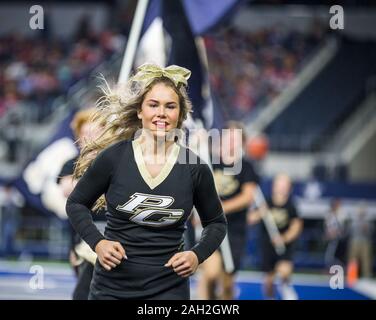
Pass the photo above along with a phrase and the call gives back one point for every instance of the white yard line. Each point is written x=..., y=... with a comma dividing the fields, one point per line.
x=366, y=287
x=297, y=278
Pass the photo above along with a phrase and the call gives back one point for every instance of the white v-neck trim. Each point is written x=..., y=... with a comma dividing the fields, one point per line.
x=163, y=174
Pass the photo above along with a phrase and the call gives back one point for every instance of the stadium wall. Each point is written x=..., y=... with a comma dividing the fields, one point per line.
x=359, y=23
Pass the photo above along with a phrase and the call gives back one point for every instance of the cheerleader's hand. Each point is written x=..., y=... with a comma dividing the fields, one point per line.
x=184, y=263
x=110, y=253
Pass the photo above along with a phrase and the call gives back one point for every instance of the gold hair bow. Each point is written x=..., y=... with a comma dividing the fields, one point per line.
x=148, y=72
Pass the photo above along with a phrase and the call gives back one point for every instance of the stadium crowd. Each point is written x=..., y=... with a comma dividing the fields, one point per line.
x=36, y=71
x=263, y=62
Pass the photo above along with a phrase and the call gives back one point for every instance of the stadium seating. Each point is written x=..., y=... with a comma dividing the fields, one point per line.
x=317, y=112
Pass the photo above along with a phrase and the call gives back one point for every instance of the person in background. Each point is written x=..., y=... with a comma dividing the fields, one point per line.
x=81, y=257
x=335, y=225
x=360, y=242
x=11, y=201
x=290, y=225
x=236, y=192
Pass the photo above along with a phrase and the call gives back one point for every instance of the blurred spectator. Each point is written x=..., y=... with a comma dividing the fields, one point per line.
x=336, y=235
x=360, y=246
x=10, y=202
x=12, y=137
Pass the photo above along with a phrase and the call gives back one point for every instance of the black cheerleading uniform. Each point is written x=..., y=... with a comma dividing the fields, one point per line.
x=228, y=186
x=147, y=216
x=84, y=270
x=282, y=215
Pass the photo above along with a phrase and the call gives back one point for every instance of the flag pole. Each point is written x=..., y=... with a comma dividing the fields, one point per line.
x=132, y=43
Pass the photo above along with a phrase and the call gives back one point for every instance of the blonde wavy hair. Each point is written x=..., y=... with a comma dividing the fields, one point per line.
x=117, y=112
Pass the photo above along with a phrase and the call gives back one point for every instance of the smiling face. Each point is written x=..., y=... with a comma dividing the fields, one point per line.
x=160, y=110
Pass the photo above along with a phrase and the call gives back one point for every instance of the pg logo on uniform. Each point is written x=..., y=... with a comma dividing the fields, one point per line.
x=151, y=210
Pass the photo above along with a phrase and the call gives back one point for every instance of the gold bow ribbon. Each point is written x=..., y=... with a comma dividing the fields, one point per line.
x=148, y=72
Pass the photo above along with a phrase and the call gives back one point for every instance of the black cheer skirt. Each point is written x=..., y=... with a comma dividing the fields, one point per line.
x=131, y=280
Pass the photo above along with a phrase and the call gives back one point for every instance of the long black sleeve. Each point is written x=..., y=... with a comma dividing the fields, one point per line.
x=211, y=238
x=89, y=188
x=210, y=210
